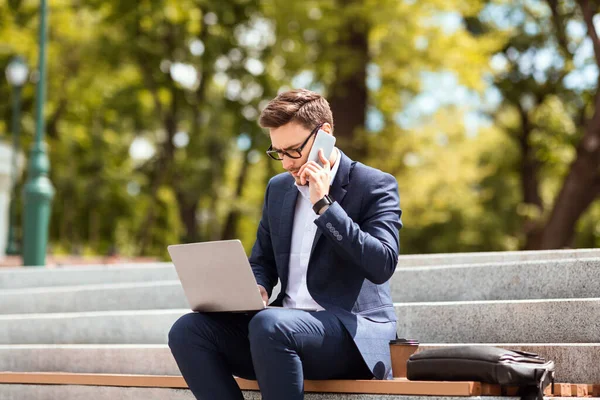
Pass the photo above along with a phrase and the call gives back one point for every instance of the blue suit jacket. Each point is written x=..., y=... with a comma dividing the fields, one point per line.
x=354, y=253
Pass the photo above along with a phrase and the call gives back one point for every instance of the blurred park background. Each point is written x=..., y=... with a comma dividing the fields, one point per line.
x=486, y=112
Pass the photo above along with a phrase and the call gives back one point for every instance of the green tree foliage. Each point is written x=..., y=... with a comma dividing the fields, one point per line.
x=186, y=79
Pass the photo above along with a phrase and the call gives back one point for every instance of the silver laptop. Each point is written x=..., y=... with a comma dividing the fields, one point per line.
x=216, y=276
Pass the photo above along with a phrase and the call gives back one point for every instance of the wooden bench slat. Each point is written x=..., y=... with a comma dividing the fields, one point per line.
x=563, y=390
x=60, y=378
x=400, y=386
x=488, y=389
x=396, y=386
x=579, y=390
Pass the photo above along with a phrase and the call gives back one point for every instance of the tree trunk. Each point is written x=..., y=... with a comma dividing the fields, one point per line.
x=217, y=151
x=189, y=199
x=187, y=214
x=582, y=184
x=169, y=119
x=348, y=93
x=580, y=188
x=530, y=183
x=163, y=165
x=231, y=222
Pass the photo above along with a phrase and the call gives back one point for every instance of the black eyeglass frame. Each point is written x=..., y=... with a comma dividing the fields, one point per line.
x=274, y=154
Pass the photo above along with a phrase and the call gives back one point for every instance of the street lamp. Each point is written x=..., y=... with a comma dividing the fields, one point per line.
x=17, y=72
x=38, y=190
x=16, y=75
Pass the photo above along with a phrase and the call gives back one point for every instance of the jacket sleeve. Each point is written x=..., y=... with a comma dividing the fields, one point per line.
x=262, y=258
x=372, y=244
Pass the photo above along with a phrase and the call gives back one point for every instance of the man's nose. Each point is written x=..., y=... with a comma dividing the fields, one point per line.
x=287, y=162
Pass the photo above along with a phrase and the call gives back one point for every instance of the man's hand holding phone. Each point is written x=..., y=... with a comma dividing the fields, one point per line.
x=317, y=177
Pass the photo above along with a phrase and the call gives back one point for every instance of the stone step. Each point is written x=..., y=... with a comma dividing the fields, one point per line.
x=134, y=359
x=575, y=363
x=472, y=282
x=154, y=295
x=97, y=297
x=520, y=280
x=501, y=321
x=99, y=327
x=73, y=392
x=411, y=260
x=506, y=321
x=16, y=278
x=32, y=277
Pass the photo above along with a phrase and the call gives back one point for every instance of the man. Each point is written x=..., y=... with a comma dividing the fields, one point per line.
x=330, y=234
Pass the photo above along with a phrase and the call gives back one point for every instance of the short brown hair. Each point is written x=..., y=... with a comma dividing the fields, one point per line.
x=299, y=105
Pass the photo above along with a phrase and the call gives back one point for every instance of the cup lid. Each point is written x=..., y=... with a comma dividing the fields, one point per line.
x=410, y=342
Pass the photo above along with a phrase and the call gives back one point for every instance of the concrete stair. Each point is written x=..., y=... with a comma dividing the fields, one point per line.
x=507, y=321
x=579, y=361
x=97, y=327
x=34, y=277
x=515, y=280
x=494, y=256
x=115, y=319
x=563, y=279
x=116, y=288
x=94, y=297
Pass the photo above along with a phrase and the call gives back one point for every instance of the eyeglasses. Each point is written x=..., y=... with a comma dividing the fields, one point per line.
x=292, y=153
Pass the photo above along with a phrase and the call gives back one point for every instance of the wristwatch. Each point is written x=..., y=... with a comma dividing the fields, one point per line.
x=325, y=201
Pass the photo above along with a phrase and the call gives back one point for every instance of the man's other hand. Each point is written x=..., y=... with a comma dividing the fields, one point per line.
x=263, y=294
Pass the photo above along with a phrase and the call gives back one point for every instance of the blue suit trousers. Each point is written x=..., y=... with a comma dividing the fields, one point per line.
x=277, y=347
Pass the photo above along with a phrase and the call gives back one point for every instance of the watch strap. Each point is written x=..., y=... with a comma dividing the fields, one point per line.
x=325, y=201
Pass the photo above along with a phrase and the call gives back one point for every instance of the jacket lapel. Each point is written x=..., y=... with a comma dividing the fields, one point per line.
x=337, y=191
x=288, y=211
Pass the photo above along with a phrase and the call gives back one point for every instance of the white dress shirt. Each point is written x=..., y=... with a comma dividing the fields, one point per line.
x=303, y=236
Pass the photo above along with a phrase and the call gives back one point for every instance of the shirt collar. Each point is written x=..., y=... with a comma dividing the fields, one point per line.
x=304, y=190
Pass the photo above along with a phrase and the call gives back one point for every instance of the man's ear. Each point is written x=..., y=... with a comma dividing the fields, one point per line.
x=327, y=128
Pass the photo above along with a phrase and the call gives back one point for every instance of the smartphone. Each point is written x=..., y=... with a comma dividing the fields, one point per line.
x=323, y=141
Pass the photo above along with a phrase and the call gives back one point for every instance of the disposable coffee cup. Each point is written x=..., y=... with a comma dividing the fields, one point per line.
x=400, y=351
